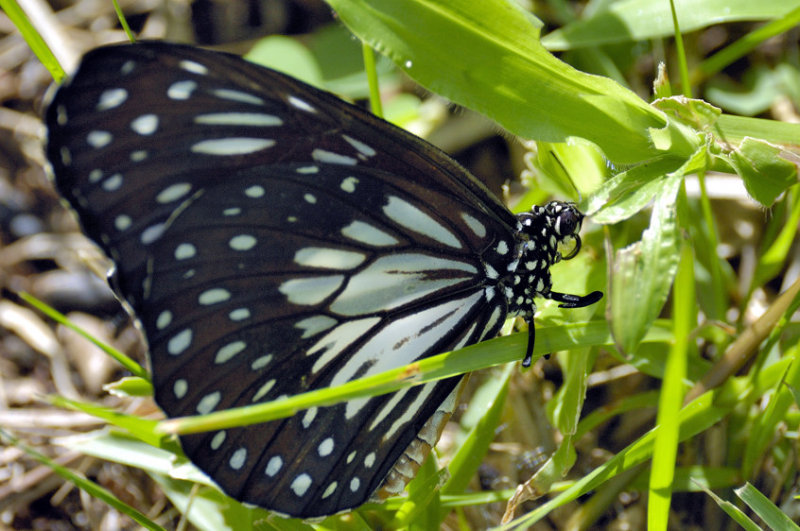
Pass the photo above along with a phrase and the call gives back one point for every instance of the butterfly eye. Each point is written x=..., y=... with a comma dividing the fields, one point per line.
x=272, y=240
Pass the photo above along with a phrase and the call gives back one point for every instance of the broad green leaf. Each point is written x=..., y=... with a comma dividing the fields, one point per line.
x=692, y=112
x=287, y=55
x=642, y=272
x=487, y=56
x=636, y=20
x=564, y=410
x=761, y=88
x=630, y=191
x=765, y=173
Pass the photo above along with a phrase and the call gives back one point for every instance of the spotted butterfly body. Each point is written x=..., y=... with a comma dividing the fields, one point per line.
x=272, y=240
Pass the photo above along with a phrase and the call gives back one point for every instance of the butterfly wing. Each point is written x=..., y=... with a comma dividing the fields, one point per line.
x=272, y=240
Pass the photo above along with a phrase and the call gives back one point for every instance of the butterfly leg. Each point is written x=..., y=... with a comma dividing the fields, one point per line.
x=567, y=301
x=526, y=361
x=575, y=301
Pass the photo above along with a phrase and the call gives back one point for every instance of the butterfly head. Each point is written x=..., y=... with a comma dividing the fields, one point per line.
x=565, y=220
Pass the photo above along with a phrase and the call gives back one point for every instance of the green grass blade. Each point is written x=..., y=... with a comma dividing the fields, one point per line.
x=60, y=318
x=765, y=509
x=93, y=489
x=665, y=446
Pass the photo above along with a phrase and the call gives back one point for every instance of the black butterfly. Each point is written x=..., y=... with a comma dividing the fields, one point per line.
x=273, y=239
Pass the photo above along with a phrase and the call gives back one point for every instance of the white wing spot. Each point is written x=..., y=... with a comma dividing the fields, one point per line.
x=328, y=258
x=173, y=192
x=181, y=90
x=360, y=146
x=313, y=325
x=330, y=489
x=152, y=233
x=145, y=125
x=66, y=155
x=61, y=115
x=407, y=215
x=369, y=460
x=491, y=272
x=179, y=388
x=95, y=175
x=351, y=456
x=300, y=484
x=239, y=314
x=261, y=362
x=365, y=233
x=309, y=416
x=180, y=342
x=242, y=242
x=218, y=439
x=237, y=95
x=329, y=157
x=312, y=290
x=274, y=466
x=255, y=191
x=227, y=352
x=99, y=139
x=238, y=458
x=122, y=222
x=354, y=484
x=127, y=67
x=163, y=320
x=111, y=98
x=306, y=170
x=502, y=247
x=476, y=226
x=193, y=67
x=139, y=155
x=349, y=184
x=310, y=198
x=184, y=251
x=231, y=146
x=298, y=103
x=209, y=402
x=325, y=448
x=113, y=183
x=239, y=118
x=232, y=211
x=263, y=390
x=213, y=296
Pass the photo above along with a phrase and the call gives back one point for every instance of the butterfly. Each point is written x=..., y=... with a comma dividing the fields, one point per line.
x=273, y=239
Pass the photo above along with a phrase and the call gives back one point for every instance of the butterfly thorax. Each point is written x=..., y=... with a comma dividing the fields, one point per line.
x=540, y=233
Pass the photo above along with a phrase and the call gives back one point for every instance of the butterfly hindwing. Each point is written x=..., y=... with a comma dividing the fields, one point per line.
x=271, y=304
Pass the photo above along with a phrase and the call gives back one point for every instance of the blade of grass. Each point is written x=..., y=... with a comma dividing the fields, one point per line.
x=93, y=489
x=665, y=446
x=60, y=318
x=486, y=354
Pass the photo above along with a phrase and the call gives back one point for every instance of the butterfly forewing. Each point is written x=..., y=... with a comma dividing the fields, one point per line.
x=273, y=239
